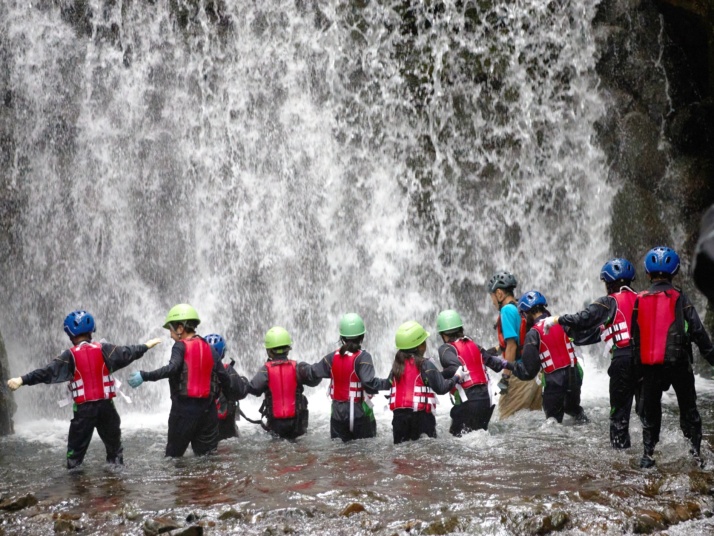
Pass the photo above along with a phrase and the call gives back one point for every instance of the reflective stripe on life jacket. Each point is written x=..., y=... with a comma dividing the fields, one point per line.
x=617, y=332
x=656, y=313
x=555, y=351
x=197, y=375
x=283, y=385
x=346, y=385
x=472, y=360
x=410, y=392
x=92, y=379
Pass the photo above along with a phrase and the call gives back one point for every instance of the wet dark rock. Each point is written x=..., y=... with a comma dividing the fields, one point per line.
x=545, y=524
x=647, y=163
x=67, y=516
x=231, y=514
x=353, y=508
x=18, y=503
x=7, y=401
x=647, y=521
x=159, y=525
x=195, y=530
x=62, y=526
x=443, y=526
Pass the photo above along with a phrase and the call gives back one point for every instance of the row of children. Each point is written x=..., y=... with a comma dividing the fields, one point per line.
x=650, y=335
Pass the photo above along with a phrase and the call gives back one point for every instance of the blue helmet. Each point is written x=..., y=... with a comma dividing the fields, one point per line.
x=530, y=299
x=217, y=342
x=662, y=259
x=78, y=323
x=616, y=269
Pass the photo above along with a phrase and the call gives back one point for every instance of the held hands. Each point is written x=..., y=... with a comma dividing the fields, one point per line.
x=14, y=383
x=549, y=323
x=460, y=375
x=135, y=380
x=151, y=343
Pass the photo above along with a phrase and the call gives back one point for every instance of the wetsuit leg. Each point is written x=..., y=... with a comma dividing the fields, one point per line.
x=340, y=430
x=571, y=402
x=109, y=430
x=554, y=403
x=181, y=430
x=622, y=391
x=689, y=419
x=404, y=425
x=470, y=415
x=651, y=403
x=81, y=429
x=205, y=437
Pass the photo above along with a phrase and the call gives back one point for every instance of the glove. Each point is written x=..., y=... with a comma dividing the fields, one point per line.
x=153, y=342
x=14, y=383
x=503, y=384
x=549, y=323
x=459, y=375
x=135, y=380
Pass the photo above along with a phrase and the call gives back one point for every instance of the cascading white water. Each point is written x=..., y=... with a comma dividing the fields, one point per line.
x=286, y=162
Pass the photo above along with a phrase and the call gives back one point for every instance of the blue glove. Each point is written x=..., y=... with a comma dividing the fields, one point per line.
x=135, y=380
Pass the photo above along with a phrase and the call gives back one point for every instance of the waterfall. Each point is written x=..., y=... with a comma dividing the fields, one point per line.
x=281, y=163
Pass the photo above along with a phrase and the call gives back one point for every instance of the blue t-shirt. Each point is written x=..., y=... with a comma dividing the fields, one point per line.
x=510, y=322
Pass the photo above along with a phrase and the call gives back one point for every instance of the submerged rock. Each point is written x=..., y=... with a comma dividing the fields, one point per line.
x=353, y=508
x=18, y=503
x=159, y=525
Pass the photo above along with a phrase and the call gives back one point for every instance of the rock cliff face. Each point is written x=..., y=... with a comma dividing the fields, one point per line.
x=657, y=66
x=7, y=403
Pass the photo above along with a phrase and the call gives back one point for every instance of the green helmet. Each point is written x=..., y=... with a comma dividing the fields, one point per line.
x=277, y=337
x=181, y=313
x=448, y=320
x=351, y=325
x=410, y=335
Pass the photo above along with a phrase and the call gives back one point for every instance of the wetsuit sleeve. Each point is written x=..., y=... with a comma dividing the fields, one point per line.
x=61, y=369
x=495, y=362
x=431, y=376
x=697, y=333
x=584, y=338
x=529, y=365
x=313, y=374
x=365, y=372
x=449, y=360
x=259, y=384
x=118, y=357
x=596, y=314
x=178, y=350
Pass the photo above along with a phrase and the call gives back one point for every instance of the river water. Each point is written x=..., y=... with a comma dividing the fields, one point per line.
x=520, y=477
x=283, y=163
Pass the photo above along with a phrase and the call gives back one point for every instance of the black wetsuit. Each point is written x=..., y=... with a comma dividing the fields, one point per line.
x=561, y=389
x=676, y=372
x=624, y=376
x=193, y=421
x=475, y=412
x=364, y=425
x=99, y=414
x=227, y=427
x=409, y=425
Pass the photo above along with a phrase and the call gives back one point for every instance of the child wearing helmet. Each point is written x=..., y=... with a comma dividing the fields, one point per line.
x=415, y=383
x=614, y=313
x=554, y=355
x=195, y=372
x=511, y=329
x=88, y=366
x=281, y=380
x=351, y=370
x=472, y=399
x=226, y=406
x=664, y=325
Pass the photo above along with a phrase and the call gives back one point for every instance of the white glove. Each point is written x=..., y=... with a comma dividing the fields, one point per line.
x=14, y=383
x=153, y=342
x=549, y=323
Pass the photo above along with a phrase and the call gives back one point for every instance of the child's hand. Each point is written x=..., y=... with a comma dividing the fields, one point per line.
x=153, y=342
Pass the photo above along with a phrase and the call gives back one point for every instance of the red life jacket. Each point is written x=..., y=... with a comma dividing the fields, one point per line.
x=617, y=333
x=92, y=379
x=197, y=374
x=521, y=335
x=410, y=392
x=283, y=385
x=472, y=360
x=656, y=313
x=556, y=351
x=346, y=385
